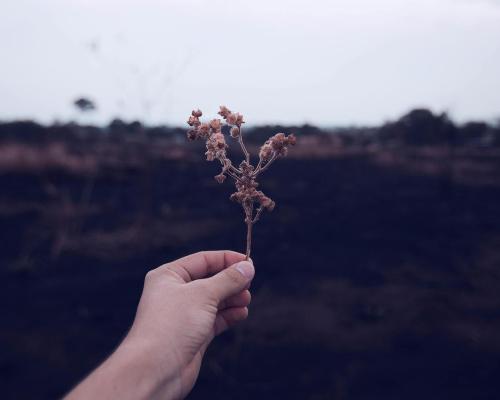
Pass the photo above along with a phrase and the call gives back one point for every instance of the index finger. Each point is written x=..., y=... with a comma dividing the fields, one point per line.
x=203, y=264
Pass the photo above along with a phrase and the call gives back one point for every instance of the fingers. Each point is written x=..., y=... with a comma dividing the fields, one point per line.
x=228, y=317
x=230, y=281
x=242, y=299
x=203, y=264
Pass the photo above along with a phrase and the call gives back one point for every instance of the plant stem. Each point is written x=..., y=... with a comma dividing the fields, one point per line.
x=257, y=214
x=245, y=151
x=266, y=166
x=249, y=239
x=249, y=221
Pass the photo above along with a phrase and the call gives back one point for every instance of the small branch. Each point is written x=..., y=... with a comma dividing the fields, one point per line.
x=259, y=165
x=257, y=215
x=266, y=166
x=245, y=151
x=244, y=174
x=234, y=169
x=234, y=173
x=234, y=176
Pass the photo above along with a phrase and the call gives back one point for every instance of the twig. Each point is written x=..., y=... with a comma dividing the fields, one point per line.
x=257, y=214
x=246, y=193
x=266, y=166
x=243, y=147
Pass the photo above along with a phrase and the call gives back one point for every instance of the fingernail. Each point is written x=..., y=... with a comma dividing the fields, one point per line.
x=246, y=269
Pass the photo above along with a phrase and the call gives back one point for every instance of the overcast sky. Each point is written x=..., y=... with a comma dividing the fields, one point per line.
x=328, y=62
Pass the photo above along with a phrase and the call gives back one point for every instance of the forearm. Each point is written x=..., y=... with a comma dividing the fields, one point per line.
x=133, y=371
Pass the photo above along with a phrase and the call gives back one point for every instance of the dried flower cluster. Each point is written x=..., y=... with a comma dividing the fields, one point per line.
x=252, y=200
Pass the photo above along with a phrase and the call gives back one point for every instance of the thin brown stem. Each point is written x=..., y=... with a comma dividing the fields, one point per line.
x=249, y=222
x=234, y=169
x=231, y=171
x=259, y=165
x=243, y=147
x=234, y=176
x=266, y=166
x=249, y=239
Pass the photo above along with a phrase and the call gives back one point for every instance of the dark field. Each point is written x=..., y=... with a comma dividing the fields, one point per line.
x=378, y=273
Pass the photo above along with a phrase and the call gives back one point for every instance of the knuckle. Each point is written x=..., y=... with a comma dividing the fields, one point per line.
x=150, y=275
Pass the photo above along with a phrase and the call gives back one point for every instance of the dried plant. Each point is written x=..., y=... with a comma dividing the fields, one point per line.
x=245, y=175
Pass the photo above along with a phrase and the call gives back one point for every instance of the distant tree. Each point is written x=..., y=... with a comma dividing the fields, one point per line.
x=23, y=131
x=117, y=126
x=474, y=132
x=135, y=127
x=420, y=127
x=84, y=105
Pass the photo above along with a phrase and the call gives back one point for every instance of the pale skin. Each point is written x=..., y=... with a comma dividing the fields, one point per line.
x=184, y=305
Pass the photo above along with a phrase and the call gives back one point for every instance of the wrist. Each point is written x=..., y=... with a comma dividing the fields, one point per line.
x=151, y=372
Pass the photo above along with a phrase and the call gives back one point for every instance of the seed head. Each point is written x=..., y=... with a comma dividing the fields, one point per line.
x=266, y=202
x=224, y=112
x=266, y=151
x=220, y=178
x=239, y=119
x=219, y=140
x=280, y=143
x=192, y=134
x=231, y=119
x=204, y=131
x=193, y=121
x=215, y=124
x=235, y=132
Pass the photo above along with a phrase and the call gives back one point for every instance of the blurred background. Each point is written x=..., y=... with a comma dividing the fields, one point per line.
x=378, y=271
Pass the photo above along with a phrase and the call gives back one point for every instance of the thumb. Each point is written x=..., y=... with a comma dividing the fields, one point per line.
x=232, y=280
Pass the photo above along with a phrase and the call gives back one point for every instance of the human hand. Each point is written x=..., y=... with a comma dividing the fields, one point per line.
x=184, y=304
x=182, y=309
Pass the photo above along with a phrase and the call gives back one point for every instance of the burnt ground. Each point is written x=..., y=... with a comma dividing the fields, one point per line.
x=373, y=281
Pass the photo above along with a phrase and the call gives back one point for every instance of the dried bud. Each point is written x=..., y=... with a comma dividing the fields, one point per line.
x=231, y=119
x=193, y=121
x=216, y=125
x=204, y=130
x=279, y=143
x=239, y=119
x=264, y=201
x=246, y=167
x=220, y=178
x=224, y=112
x=192, y=134
x=268, y=203
x=196, y=113
x=235, y=132
x=292, y=140
x=266, y=151
x=219, y=141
